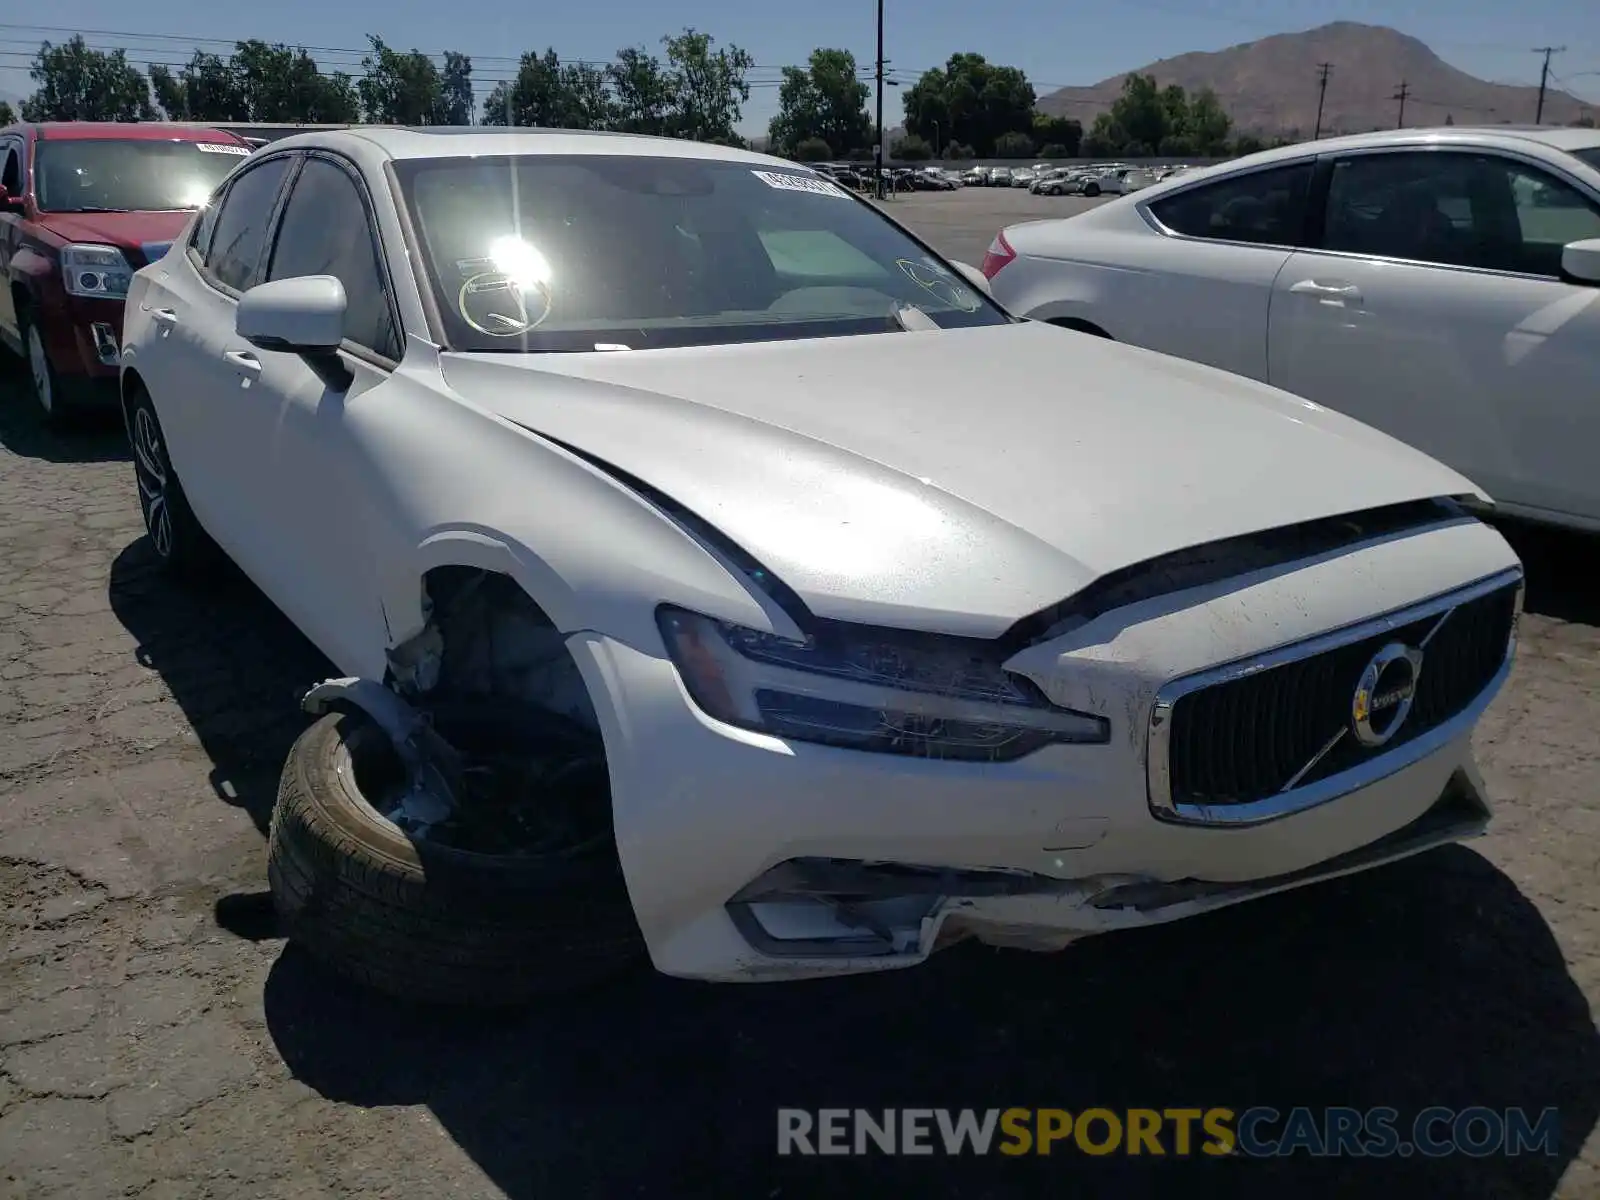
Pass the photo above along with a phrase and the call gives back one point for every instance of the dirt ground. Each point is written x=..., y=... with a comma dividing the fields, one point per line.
x=157, y=1040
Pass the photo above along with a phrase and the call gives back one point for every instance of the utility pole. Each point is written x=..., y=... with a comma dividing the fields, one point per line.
x=877, y=149
x=1405, y=90
x=1544, y=77
x=1322, y=94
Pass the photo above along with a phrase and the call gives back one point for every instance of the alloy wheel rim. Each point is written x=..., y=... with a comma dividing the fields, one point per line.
x=39, y=366
x=150, y=468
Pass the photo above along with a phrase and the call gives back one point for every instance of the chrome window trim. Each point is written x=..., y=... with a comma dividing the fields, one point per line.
x=1381, y=766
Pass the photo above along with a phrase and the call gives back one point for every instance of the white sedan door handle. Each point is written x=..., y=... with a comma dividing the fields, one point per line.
x=1326, y=291
x=243, y=362
x=164, y=316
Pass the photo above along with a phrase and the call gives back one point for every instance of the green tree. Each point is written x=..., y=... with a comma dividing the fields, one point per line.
x=826, y=100
x=1013, y=144
x=813, y=149
x=532, y=97
x=1065, y=132
x=970, y=100
x=1053, y=150
x=959, y=152
x=80, y=84
x=548, y=94
x=584, y=97
x=455, y=91
x=1208, y=124
x=283, y=83
x=641, y=92
x=911, y=148
x=207, y=88
x=1245, y=143
x=399, y=88
x=8, y=115
x=708, y=88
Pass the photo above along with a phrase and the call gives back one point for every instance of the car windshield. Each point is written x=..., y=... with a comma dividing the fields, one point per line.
x=105, y=175
x=611, y=252
x=1590, y=155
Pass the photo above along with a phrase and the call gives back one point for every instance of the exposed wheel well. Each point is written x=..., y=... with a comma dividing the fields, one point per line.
x=1080, y=325
x=493, y=643
x=130, y=383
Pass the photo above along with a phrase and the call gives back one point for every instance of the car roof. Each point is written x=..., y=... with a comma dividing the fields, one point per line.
x=133, y=131
x=448, y=141
x=1557, y=137
x=1505, y=136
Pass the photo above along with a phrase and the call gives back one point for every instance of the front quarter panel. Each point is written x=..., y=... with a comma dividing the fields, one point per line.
x=450, y=483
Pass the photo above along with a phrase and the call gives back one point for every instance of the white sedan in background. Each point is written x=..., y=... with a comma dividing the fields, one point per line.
x=649, y=473
x=1442, y=285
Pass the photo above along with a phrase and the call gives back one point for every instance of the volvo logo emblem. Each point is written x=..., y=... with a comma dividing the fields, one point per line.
x=1385, y=693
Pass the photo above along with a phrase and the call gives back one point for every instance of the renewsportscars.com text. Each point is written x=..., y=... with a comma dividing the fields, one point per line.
x=1178, y=1132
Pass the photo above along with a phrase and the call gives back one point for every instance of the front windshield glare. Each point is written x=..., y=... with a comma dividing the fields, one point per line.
x=611, y=252
x=95, y=175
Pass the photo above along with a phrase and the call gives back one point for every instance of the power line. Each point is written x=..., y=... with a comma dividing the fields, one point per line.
x=1405, y=90
x=1544, y=77
x=1322, y=94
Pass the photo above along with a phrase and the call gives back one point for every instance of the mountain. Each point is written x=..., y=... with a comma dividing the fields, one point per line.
x=1270, y=86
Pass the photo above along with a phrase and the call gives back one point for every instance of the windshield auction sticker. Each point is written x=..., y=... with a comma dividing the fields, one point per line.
x=800, y=183
x=220, y=148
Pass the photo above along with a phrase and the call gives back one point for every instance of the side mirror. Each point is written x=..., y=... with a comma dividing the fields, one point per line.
x=975, y=277
x=303, y=316
x=8, y=202
x=1581, y=260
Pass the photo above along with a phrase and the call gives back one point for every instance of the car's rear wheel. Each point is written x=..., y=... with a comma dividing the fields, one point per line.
x=1091, y=189
x=424, y=920
x=181, y=545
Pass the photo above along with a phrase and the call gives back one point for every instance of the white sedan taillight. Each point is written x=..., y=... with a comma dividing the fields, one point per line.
x=997, y=255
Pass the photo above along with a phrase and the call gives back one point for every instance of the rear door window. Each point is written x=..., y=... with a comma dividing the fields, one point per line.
x=1266, y=208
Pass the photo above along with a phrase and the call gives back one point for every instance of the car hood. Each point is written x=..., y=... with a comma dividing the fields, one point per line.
x=146, y=234
x=925, y=480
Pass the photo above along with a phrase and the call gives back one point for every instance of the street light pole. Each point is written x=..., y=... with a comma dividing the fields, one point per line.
x=877, y=149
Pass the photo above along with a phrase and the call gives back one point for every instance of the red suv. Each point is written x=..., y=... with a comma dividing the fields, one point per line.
x=83, y=205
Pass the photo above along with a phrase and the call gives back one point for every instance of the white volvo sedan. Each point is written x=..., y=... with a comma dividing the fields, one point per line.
x=709, y=577
x=1441, y=285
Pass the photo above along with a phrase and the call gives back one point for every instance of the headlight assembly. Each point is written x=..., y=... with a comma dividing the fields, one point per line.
x=887, y=691
x=92, y=270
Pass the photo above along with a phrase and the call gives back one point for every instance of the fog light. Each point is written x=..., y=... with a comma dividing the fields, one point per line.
x=105, y=343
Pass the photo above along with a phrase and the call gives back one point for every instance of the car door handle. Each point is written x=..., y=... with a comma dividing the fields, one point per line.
x=1325, y=291
x=243, y=361
x=164, y=316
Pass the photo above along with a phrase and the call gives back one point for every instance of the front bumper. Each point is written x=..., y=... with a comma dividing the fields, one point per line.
x=721, y=831
x=83, y=337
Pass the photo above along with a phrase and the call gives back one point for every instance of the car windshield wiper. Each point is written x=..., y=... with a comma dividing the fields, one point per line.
x=89, y=208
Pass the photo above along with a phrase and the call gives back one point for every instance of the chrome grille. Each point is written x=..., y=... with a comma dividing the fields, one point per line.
x=1264, y=740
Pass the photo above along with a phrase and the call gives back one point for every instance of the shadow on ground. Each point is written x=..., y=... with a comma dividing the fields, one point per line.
x=95, y=437
x=232, y=662
x=1429, y=983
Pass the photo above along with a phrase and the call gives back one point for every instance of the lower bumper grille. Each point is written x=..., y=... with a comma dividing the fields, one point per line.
x=1296, y=723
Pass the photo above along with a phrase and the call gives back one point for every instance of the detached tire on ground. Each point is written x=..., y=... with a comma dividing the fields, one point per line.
x=423, y=921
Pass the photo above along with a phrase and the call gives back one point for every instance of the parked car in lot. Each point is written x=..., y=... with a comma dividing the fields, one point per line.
x=82, y=205
x=1439, y=284
x=976, y=177
x=685, y=600
x=999, y=177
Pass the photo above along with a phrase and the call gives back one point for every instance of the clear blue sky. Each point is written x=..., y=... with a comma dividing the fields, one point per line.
x=1054, y=42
